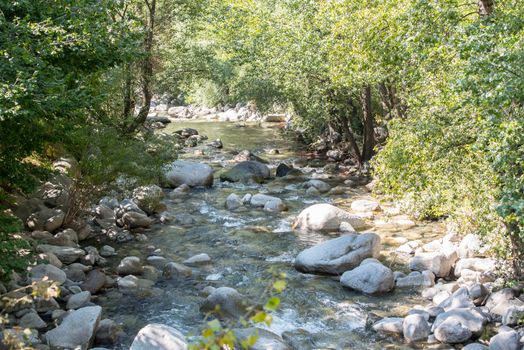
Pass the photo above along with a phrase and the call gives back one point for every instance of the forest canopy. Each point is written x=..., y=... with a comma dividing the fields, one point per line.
x=445, y=80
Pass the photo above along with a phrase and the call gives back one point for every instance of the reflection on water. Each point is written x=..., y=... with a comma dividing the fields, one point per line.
x=246, y=246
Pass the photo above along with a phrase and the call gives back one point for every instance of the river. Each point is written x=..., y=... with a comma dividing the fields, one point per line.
x=247, y=246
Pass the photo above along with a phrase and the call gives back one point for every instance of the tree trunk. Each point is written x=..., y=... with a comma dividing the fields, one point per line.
x=369, y=132
x=146, y=70
x=128, y=94
x=485, y=8
x=350, y=137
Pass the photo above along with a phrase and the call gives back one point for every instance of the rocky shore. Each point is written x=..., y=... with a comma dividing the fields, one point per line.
x=466, y=307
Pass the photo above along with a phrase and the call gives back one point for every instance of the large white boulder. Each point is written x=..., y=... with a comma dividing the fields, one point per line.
x=159, y=337
x=326, y=218
x=338, y=255
x=369, y=278
x=77, y=330
x=190, y=173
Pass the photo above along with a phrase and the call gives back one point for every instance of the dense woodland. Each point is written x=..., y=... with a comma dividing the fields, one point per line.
x=445, y=79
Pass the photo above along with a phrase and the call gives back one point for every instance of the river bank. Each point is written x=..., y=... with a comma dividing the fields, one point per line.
x=156, y=255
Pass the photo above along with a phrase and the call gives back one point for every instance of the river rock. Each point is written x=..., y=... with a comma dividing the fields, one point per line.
x=199, y=259
x=148, y=198
x=321, y=186
x=107, y=251
x=440, y=263
x=471, y=321
x=416, y=279
x=246, y=172
x=77, y=330
x=365, y=205
x=46, y=220
x=172, y=270
x=159, y=337
x=230, y=302
x=134, y=220
x=187, y=132
x=180, y=192
x=216, y=144
x=335, y=256
x=189, y=173
x=499, y=302
x=513, y=316
x=76, y=301
x=509, y=340
x=474, y=264
x=52, y=273
x=475, y=346
x=233, y=201
x=265, y=339
x=282, y=170
x=157, y=261
x=130, y=265
x=270, y=203
x=32, y=320
x=107, y=332
x=25, y=207
x=326, y=218
x=95, y=281
x=370, y=278
x=67, y=255
x=452, y=331
x=415, y=328
x=458, y=300
x=131, y=284
x=389, y=325
x=469, y=246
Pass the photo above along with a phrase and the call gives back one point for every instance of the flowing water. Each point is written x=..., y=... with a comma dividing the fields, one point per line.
x=247, y=246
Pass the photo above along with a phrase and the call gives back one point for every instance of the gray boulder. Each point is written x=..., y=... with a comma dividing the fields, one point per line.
x=269, y=203
x=233, y=201
x=229, y=302
x=321, y=186
x=338, y=255
x=32, y=320
x=130, y=265
x=416, y=279
x=265, y=339
x=189, y=173
x=95, y=281
x=159, y=337
x=440, y=263
x=77, y=330
x=76, y=301
x=52, y=273
x=132, y=220
x=371, y=278
x=365, y=205
x=66, y=255
x=389, y=325
x=326, y=218
x=46, y=220
x=246, y=172
x=415, y=328
x=509, y=340
x=452, y=331
x=199, y=259
x=470, y=320
x=475, y=346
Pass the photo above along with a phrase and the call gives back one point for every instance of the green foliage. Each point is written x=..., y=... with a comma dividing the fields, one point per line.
x=218, y=335
x=15, y=250
x=52, y=59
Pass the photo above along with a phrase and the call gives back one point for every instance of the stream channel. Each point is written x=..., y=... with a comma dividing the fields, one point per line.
x=248, y=244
